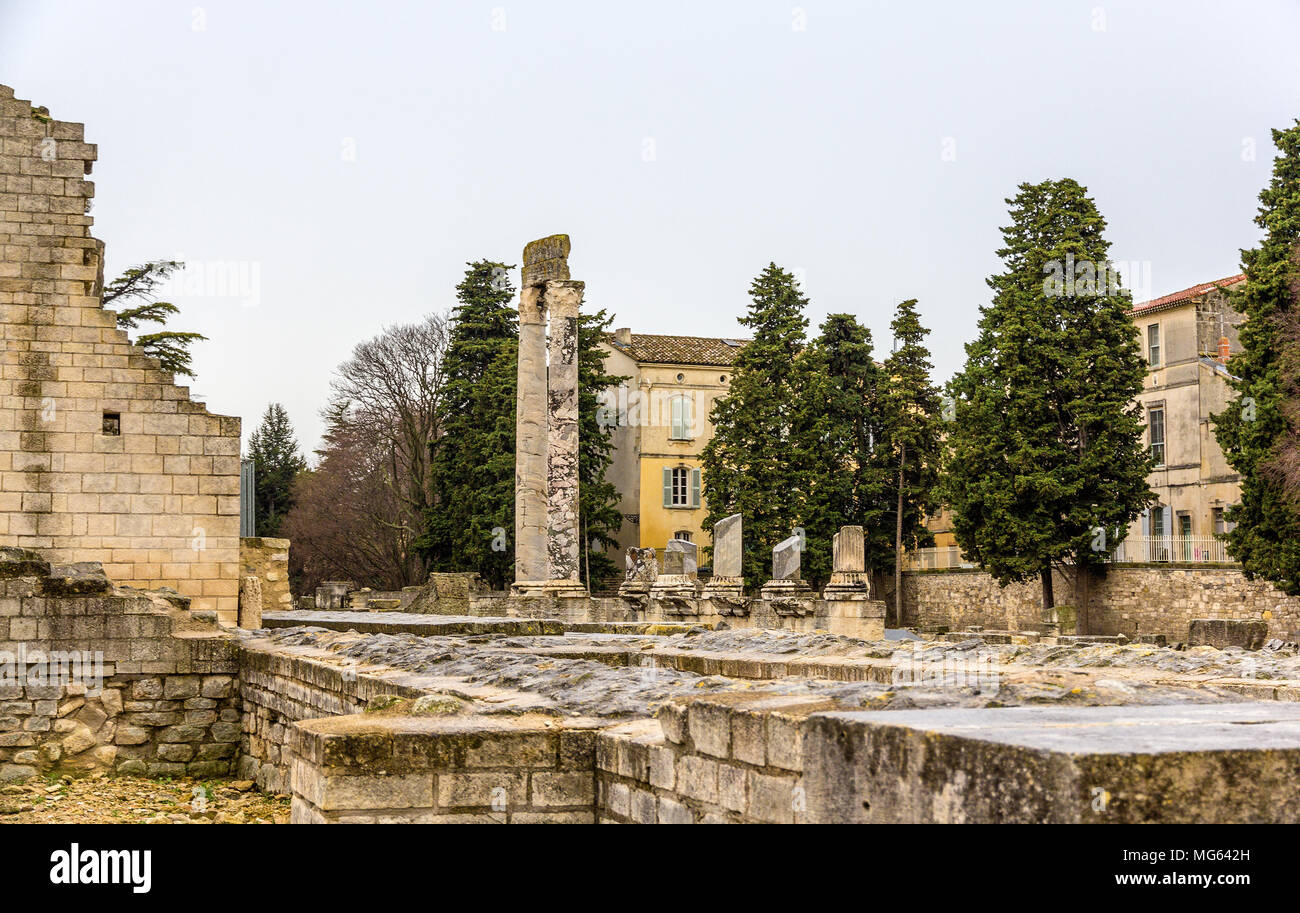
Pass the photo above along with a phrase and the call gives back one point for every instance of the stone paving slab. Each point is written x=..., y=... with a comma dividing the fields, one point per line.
x=1226, y=763
x=411, y=623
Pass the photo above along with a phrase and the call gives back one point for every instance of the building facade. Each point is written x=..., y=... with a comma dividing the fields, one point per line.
x=1187, y=339
x=660, y=418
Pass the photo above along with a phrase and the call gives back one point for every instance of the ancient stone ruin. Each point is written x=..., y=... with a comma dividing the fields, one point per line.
x=546, y=425
x=678, y=701
x=105, y=457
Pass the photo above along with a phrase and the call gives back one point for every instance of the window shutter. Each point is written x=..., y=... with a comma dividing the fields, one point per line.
x=668, y=487
x=695, y=488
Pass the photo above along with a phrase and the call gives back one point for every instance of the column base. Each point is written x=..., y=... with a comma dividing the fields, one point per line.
x=556, y=589
x=789, y=597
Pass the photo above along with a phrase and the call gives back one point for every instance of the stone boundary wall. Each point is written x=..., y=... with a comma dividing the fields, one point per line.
x=722, y=759
x=1125, y=600
x=103, y=457
x=158, y=698
x=451, y=770
x=279, y=688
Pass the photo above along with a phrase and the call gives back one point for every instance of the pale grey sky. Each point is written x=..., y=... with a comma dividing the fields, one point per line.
x=344, y=160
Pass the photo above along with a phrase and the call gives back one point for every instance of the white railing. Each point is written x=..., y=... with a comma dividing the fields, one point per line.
x=1133, y=550
x=935, y=559
x=1172, y=550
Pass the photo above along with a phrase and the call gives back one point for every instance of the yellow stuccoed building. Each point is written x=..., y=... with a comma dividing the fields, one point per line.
x=660, y=418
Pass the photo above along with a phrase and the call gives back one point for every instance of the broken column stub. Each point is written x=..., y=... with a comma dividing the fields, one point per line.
x=675, y=587
x=727, y=585
x=642, y=570
x=849, y=571
x=788, y=593
x=850, y=610
x=547, y=541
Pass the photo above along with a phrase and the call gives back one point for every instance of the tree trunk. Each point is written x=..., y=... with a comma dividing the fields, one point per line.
x=898, y=543
x=1049, y=603
x=1082, y=583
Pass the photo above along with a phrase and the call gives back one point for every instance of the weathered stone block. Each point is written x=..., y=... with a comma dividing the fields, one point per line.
x=1223, y=763
x=1227, y=632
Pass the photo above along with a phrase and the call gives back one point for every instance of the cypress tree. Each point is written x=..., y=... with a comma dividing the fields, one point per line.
x=1046, y=447
x=277, y=463
x=751, y=463
x=911, y=439
x=835, y=427
x=471, y=525
x=1258, y=430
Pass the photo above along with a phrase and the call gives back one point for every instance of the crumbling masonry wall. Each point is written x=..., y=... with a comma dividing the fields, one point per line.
x=97, y=678
x=158, y=502
x=1128, y=600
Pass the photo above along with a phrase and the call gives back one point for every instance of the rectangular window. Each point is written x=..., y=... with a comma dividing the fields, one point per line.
x=681, y=493
x=1156, y=428
x=113, y=423
x=1153, y=344
x=681, y=487
x=681, y=419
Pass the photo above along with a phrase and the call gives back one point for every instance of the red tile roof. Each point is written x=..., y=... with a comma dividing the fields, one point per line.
x=1186, y=294
x=680, y=350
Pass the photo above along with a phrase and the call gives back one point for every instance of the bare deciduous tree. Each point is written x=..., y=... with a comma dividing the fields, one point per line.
x=358, y=513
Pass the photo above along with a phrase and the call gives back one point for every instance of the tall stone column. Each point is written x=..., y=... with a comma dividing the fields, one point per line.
x=546, y=425
x=531, y=439
x=563, y=298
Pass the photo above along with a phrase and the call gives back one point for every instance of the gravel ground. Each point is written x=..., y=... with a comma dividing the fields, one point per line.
x=942, y=675
x=135, y=800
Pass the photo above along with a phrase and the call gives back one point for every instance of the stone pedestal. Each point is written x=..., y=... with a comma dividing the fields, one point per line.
x=787, y=593
x=333, y=594
x=789, y=597
x=726, y=589
x=849, y=580
x=675, y=588
x=642, y=570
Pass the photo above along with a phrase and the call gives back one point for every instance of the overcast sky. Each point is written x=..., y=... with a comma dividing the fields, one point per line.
x=342, y=161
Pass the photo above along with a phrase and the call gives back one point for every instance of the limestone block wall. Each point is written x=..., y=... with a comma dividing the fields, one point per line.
x=1127, y=600
x=102, y=456
x=94, y=678
x=452, y=770
x=723, y=759
x=268, y=561
x=279, y=688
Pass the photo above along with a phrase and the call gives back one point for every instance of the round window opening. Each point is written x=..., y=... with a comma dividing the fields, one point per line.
x=723, y=378
x=681, y=377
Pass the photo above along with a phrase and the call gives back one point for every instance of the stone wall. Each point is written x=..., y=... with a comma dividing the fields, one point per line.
x=102, y=456
x=1127, y=600
x=278, y=688
x=96, y=678
x=268, y=561
x=724, y=759
x=442, y=770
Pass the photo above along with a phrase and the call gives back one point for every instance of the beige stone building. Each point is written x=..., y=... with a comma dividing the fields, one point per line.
x=102, y=456
x=661, y=419
x=1187, y=338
